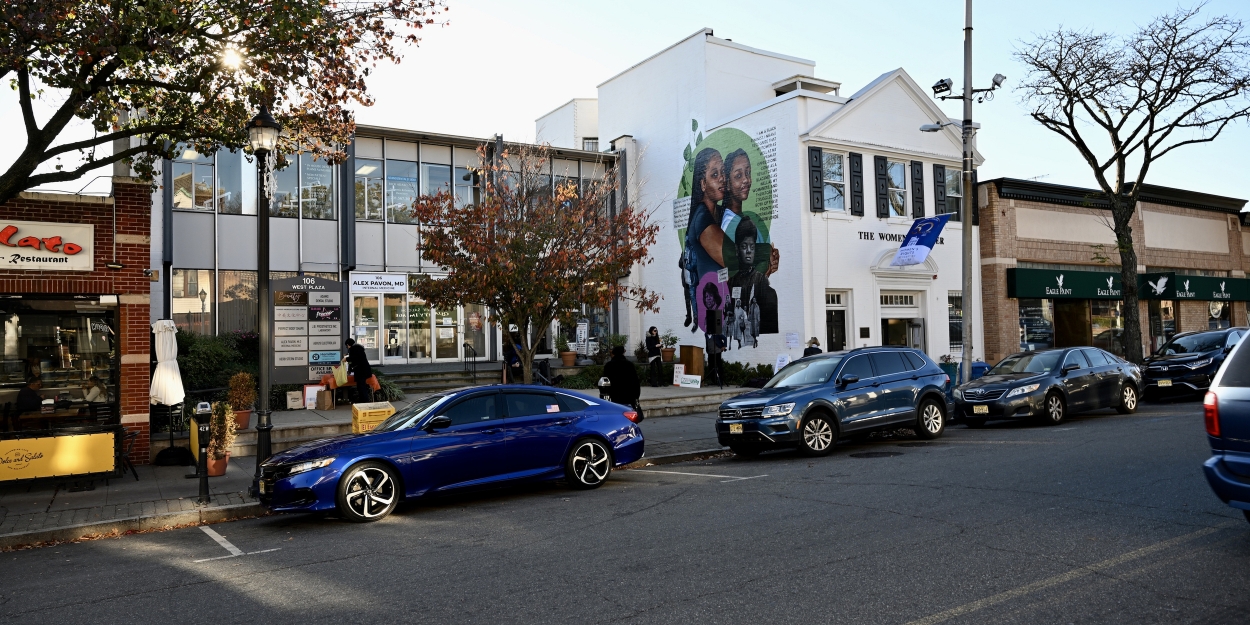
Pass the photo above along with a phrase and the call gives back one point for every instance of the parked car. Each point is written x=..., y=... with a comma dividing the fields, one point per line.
x=1049, y=385
x=1226, y=412
x=480, y=436
x=814, y=401
x=1185, y=365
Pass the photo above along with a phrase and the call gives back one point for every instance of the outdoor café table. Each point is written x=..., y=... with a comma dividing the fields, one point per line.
x=46, y=420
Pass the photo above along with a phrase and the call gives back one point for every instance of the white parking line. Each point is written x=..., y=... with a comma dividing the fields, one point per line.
x=729, y=478
x=225, y=544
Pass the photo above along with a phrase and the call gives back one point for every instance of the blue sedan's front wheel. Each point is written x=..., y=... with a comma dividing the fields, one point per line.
x=367, y=492
x=589, y=464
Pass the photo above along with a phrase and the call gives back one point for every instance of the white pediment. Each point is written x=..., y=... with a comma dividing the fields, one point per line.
x=888, y=114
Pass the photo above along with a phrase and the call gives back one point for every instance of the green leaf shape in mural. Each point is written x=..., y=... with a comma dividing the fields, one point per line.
x=694, y=125
x=688, y=153
x=699, y=139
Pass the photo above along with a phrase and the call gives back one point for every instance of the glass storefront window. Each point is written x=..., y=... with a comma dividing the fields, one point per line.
x=464, y=188
x=1037, y=324
x=316, y=188
x=369, y=198
x=1162, y=322
x=236, y=183
x=475, y=330
x=401, y=190
x=195, y=181
x=418, y=329
x=435, y=179
x=286, y=196
x=1107, y=325
x=238, y=308
x=69, y=346
x=193, y=300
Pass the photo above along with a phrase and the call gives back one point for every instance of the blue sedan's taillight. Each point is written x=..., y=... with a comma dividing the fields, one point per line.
x=632, y=416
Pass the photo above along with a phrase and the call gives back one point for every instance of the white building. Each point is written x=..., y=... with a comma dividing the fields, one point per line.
x=831, y=182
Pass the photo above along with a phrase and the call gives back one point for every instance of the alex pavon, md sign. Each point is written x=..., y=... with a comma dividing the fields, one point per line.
x=43, y=246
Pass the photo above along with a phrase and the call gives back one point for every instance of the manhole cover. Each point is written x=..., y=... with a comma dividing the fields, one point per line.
x=877, y=454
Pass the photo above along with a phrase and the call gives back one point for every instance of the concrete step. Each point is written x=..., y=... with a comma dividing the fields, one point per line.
x=280, y=438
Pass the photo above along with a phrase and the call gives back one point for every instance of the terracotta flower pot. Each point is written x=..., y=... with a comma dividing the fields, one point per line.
x=242, y=419
x=217, y=468
x=568, y=358
x=666, y=353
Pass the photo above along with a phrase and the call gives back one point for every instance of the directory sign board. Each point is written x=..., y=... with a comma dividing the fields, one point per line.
x=307, y=328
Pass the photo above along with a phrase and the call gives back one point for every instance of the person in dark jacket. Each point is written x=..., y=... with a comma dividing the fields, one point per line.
x=624, y=378
x=653, y=355
x=28, y=399
x=358, y=366
x=813, y=348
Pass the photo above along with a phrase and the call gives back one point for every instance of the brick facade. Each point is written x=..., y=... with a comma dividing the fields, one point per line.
x=1002, y=249
x=132, y=200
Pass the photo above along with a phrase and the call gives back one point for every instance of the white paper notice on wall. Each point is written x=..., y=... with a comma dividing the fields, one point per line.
x=782, y=361
x=736, y=292
x=681, y=212
x=678, y=371
x=446, y=333
x=792, y=340
x=722, y=275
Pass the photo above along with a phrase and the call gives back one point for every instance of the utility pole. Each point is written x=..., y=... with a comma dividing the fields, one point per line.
x=969, y=196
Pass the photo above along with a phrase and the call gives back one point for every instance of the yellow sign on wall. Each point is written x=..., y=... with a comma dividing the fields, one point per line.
x=57, y=456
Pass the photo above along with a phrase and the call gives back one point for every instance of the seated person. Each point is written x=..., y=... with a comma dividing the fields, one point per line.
x=94, y=391
x=28, y=399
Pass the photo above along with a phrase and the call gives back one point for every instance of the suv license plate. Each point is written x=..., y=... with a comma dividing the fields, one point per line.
x=980, y=410
x=735, y=428
x=1165, y=383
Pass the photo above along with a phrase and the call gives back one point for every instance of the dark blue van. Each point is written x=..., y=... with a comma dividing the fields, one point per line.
x=1226, y=411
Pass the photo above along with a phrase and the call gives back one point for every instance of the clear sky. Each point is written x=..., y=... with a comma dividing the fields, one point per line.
x=500, y=64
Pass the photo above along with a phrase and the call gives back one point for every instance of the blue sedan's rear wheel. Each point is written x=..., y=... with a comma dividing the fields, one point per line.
x=367, y=492
x=589, y=464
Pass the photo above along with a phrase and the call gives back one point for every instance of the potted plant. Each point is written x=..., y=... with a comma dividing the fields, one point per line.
x=669, y=342
x=221, y=433
x=242, y=397
x=567, y=356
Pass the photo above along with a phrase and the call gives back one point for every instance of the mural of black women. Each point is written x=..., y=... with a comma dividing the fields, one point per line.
x=727, y=254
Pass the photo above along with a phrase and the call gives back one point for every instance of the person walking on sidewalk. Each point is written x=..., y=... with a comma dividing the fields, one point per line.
x=716, y=344
x=653, y=355
x=813, y=348
x=625, y=387
x=358, y=366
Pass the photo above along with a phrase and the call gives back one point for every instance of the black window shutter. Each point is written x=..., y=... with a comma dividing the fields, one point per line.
x=939, y=189
x=883, y=186
x=974, y=197
x=816, y=178
x=917, y=189
x=857, y=184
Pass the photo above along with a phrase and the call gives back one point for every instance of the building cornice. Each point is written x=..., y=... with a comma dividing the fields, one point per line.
x=1015, y=189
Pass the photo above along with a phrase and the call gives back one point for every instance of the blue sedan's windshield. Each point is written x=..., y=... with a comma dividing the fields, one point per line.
x=804, y=372
x=1043, y=362
x=409, y=416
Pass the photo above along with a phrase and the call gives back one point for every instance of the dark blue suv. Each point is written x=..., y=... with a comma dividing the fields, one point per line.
x=1226, y=410
x=816, y=400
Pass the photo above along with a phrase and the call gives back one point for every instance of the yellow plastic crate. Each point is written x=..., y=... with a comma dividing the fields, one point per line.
x=365, y=417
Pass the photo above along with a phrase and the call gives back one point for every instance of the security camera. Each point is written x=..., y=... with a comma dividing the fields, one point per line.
x=943, y=86
x=147, y=273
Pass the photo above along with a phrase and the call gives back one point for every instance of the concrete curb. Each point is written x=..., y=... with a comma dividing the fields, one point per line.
x=673, y=458
x=117, y=527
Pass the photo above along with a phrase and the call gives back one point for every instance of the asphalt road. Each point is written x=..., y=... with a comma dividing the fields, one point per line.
x=1105, y=519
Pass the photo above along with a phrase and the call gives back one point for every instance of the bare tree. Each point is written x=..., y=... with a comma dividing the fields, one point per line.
x=1180, y=79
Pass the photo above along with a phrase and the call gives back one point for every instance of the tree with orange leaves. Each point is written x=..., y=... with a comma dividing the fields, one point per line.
x=531, y=252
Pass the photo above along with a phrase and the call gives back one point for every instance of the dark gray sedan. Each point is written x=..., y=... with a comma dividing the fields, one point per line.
x=1048, y=385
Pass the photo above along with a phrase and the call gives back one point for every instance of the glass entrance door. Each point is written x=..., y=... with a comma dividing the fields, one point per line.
x=395, y=320
x=447, y=334
x=419, y=347
x=835, y=330
x=475, y=331
x=365, y=318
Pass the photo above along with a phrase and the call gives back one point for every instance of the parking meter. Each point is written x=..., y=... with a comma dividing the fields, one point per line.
x=203, y=416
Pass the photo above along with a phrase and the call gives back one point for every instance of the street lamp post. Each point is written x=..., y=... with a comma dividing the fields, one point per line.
x=262, y=134
x=203, y=296
x=967, y=131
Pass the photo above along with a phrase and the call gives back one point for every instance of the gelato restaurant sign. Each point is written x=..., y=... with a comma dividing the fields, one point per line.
x=43, y=246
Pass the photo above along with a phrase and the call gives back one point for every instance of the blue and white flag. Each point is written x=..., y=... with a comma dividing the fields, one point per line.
x=920, y=240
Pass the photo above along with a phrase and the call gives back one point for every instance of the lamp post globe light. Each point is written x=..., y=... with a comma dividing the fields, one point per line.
x=262, y=135
x=941, y=89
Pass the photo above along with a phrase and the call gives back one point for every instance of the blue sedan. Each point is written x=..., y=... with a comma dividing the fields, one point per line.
x=481, y=436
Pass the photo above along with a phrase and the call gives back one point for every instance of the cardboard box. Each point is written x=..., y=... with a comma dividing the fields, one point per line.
x=325, y=400
x=365, y=417
x=294, y=400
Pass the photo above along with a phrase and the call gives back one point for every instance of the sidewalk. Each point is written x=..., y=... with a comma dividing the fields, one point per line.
x=162, y=497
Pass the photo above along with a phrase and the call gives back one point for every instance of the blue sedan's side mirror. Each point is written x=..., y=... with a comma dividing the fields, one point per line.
x=438, y=423
x=1072, y=366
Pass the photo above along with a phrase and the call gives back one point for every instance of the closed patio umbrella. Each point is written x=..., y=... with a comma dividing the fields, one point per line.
x=166, y=381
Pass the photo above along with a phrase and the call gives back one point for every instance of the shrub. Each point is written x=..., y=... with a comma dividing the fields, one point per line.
x=640, y=352
x=562, y=343
x=668, y=339
x=389, y=391
x=207, y=362
x=242, y=391
x=221, y=430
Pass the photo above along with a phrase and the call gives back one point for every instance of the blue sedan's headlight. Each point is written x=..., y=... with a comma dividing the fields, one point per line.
x=1198, y=364
x=780, y=410
x=309, y=465
x=1020, y=390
